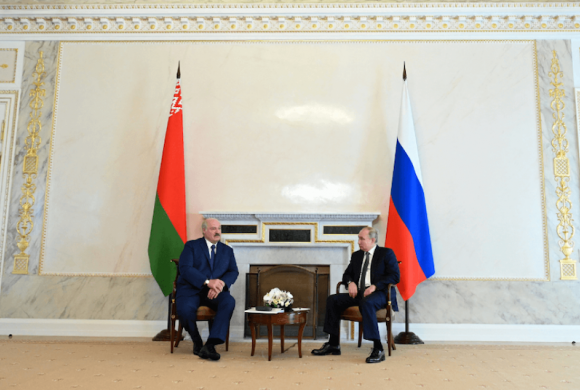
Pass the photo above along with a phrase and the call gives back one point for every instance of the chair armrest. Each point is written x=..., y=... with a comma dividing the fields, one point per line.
x=338, y=287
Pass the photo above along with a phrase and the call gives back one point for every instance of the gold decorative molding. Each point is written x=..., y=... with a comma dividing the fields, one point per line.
x=6, y=66
x=129, y=6
x=560, y=146
x=30, y=169
x=11, y=100
x=225, y=20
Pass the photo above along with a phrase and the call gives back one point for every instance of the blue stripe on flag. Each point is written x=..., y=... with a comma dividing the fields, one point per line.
x=409, y=200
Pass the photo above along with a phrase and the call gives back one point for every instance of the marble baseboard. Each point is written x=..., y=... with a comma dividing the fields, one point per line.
x=427, y=332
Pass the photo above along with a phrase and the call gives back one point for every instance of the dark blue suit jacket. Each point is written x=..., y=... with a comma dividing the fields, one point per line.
x=194, y=267
x=384, y=270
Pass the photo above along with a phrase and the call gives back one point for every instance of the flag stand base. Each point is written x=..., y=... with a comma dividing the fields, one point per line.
x=164, y=335
x=408, y=338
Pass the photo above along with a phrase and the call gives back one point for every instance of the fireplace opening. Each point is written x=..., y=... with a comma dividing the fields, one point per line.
x=309, y=284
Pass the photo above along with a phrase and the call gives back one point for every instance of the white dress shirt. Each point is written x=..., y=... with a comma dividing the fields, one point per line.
x=209, y=244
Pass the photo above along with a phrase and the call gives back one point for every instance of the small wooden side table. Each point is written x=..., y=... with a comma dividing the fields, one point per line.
x=290, y=318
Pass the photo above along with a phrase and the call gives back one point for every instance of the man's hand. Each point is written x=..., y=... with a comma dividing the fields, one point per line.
x=371, y=289
x=352, y=289
x=212, y=294
x=215, y=286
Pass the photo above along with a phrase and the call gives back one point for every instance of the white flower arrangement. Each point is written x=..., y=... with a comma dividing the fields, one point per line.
x=278, y=298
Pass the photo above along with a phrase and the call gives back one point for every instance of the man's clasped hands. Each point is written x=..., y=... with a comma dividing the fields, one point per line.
x=215, y=286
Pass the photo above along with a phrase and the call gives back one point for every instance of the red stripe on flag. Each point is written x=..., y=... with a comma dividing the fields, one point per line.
x=171, y=185
x=399, y=239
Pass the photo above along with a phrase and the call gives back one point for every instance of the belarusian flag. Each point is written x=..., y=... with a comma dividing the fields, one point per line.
x=168, y=228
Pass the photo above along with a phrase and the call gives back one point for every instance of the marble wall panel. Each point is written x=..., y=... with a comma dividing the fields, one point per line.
x=267, y=129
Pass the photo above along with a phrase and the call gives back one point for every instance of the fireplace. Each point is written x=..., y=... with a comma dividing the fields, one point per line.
x=309, y=284
x=312, y=241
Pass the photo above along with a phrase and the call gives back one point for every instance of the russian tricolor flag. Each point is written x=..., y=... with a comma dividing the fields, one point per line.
x=407, y=228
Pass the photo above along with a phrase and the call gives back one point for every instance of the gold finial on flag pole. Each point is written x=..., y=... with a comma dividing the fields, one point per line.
x=404, y=72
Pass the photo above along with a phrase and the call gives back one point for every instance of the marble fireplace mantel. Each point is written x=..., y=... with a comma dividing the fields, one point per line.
x=244, y=228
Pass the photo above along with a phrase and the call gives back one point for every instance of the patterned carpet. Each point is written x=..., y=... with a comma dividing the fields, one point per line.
x=111, y=364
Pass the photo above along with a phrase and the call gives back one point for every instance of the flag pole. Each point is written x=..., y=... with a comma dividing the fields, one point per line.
x=407, y=337
x=165, y=334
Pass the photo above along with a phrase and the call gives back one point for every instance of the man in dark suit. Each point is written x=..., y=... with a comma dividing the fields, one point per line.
x=367, y=276
x=207, y=270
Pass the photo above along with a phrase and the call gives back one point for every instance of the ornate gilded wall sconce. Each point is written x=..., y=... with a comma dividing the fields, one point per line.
x=560, y=146
x=30, y=169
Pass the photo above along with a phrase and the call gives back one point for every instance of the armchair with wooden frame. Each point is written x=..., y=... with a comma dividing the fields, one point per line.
x=384, y=315
x=204, y=313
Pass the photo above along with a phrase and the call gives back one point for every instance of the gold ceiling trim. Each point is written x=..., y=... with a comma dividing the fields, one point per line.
x=301, y=6
x=141, y=25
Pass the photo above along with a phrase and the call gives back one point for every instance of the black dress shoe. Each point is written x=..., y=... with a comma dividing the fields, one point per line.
x=327, y=349
x=196, y=348
x=208, y=352
x=376, y=356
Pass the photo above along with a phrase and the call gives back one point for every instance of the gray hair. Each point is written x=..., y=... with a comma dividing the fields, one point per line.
x=373, y=233
x=204, y=223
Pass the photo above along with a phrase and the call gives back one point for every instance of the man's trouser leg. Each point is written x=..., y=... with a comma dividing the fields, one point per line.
x=368, y=308
x=335, y=305
x=187, y=313
x=223, y=305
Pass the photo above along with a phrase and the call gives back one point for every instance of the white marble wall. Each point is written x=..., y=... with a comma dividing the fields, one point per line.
x=497, y=302
x=311, y=140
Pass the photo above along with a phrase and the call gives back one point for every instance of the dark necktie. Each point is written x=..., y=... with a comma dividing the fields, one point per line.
x=212, y=256
x=364, y=274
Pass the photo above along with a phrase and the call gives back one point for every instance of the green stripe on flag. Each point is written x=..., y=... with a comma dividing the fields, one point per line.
x=164, y=245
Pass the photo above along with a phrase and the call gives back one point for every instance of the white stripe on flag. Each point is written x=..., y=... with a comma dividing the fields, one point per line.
x=406, y=134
